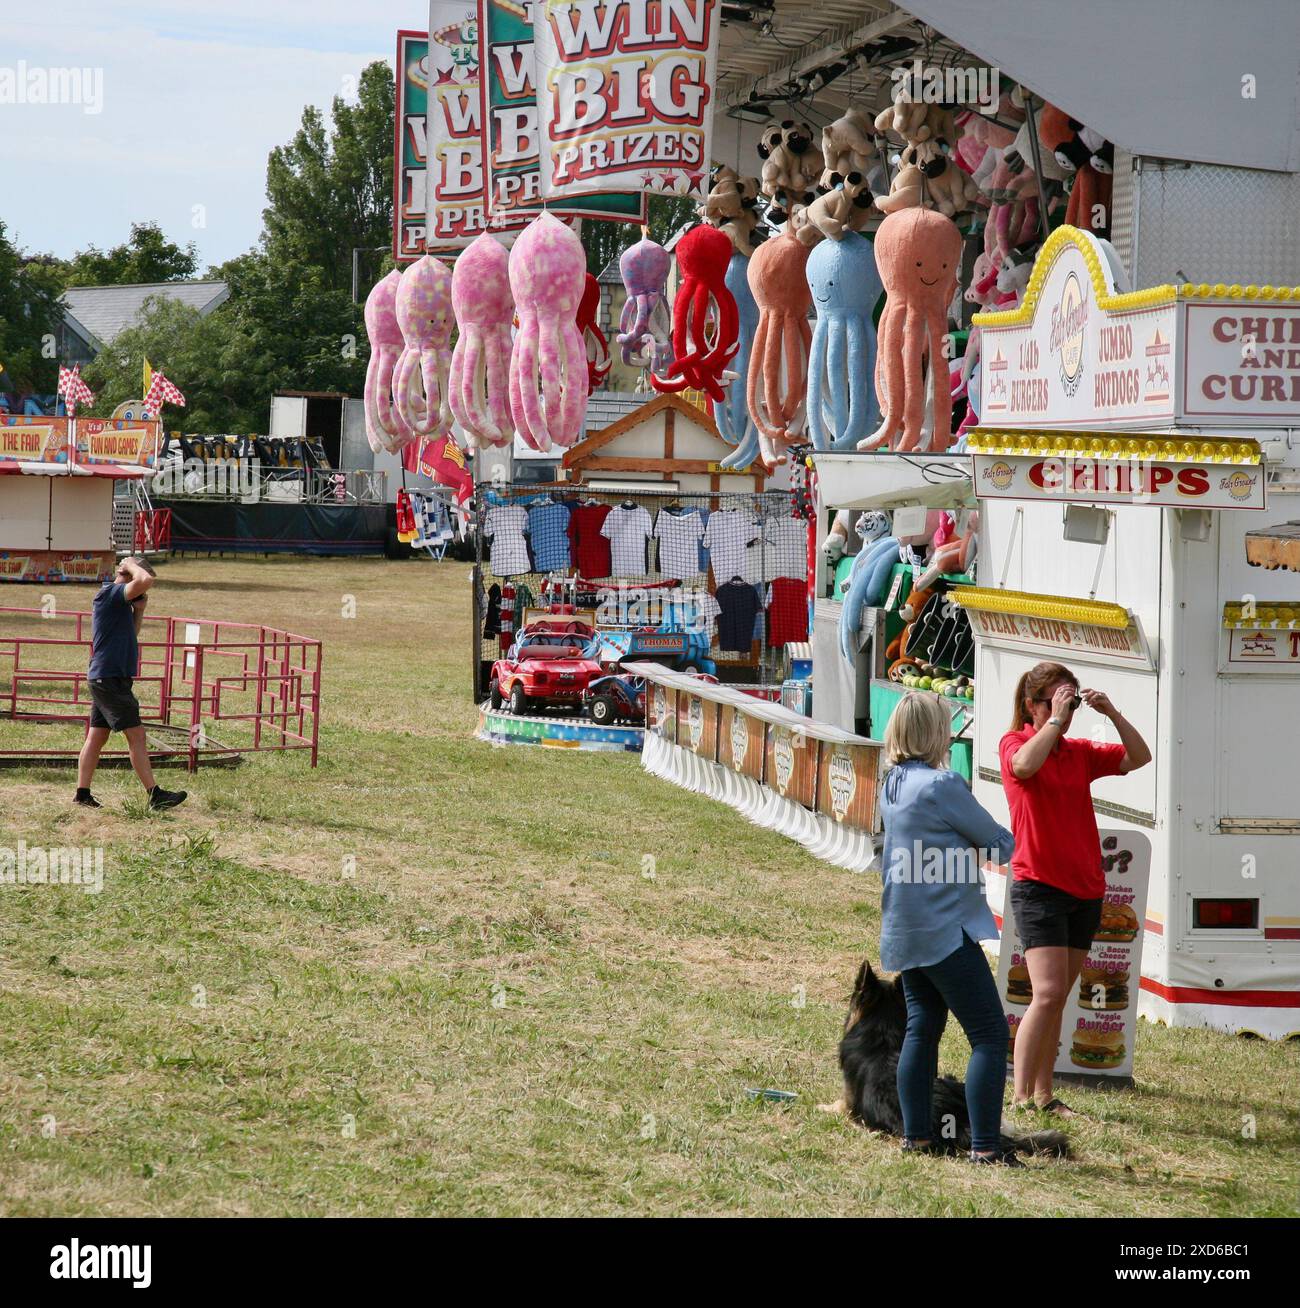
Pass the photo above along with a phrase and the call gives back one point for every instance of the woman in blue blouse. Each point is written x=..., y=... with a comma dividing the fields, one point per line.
x=937, y=838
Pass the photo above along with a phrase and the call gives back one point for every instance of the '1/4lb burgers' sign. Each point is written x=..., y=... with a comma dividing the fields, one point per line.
x=625, y=94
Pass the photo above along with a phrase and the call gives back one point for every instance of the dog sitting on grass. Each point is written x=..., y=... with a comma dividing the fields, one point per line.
x=873, y=1039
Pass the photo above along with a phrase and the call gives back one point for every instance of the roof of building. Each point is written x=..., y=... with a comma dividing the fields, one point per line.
x=104, y=311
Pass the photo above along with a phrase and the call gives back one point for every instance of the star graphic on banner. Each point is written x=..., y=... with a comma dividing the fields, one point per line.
x=693, y=180
x=445, y=76
x=648, y=179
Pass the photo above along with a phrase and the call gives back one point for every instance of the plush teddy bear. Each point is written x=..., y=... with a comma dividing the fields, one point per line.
x=916, y=163
x=848, y=147
x=952, y=190
x=846, y=207
x=724, y=198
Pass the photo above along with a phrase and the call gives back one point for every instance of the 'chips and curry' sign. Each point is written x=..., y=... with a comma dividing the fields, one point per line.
x=1079, y=353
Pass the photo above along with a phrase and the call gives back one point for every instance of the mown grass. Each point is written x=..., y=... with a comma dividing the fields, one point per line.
x=434, y=977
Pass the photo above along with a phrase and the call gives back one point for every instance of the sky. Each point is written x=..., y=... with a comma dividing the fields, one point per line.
x=192, y=97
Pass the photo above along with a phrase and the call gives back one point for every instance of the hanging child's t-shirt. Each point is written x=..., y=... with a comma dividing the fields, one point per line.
x=588, y=549
x=785, y=548
x=506, y=525
x=679, y=536
x=739, y=607
x=548, y=529
x=627, y=530
x=787, y=611
x=728, y=536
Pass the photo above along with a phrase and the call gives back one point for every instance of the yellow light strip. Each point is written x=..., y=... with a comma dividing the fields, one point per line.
x=1055, y=243
x=1096, y=613
x=1276, y=616
x=1156, y=447
x=1219, y=291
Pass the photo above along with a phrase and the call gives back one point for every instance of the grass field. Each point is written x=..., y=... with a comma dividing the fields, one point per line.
x=432, y=977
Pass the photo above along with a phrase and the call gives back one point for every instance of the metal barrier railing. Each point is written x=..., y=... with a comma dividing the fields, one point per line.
x=261, y=683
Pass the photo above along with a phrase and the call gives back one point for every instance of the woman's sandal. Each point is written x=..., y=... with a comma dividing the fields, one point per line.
x=1057, y=1108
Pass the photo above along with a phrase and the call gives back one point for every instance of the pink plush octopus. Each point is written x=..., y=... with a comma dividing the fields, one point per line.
x=423, y=306
x=480, y=363
x=777, y=385
x=548, y=365
x=385, y=427
x=918, y=253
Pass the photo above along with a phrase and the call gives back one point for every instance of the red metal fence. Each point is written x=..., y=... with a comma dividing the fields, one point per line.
x=262, y=685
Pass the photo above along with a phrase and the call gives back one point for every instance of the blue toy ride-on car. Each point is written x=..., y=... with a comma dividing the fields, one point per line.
x=616, y=698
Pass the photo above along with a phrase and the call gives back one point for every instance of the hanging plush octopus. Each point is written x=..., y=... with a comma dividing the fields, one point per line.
x=385, y=427
x=593, y=339
x=918, y=252
x=845, y=288
x=778, y=366
x=735, y=426
x=423, y=307
x=548, y=365
x=643, y=329
x=702, y=301
x=480, y=364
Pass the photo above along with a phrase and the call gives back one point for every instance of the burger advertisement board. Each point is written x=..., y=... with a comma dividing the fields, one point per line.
x=1099, y=1028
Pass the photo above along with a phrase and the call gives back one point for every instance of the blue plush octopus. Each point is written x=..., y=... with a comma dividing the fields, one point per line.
x=735, y=425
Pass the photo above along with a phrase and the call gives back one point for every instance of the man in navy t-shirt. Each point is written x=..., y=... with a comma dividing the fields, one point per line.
x=117, y=613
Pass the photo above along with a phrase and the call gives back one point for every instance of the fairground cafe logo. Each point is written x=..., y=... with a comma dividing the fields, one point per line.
x=33, y=865
x=922, y=83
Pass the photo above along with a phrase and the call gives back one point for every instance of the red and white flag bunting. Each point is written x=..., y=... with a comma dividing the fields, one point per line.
x=161, y=392
x=73, y=389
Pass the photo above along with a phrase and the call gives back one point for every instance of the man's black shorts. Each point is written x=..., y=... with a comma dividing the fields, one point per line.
x=1046, y=916
x=113, y=704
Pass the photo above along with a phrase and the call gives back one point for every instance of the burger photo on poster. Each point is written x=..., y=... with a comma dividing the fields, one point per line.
x=1118, y=925
x=1097, y=1050
x=1103, y=988
x=1019, y=988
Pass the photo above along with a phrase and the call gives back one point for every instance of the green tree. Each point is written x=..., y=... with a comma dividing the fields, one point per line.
x=146, y=256
x=29, y=315
x=331, y=190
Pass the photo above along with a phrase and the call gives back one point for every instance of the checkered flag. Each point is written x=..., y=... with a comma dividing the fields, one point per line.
x=73, y=389
x=161, y=392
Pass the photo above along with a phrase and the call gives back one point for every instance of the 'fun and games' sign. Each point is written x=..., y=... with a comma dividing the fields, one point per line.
x=508, y=110
x=118, y=441
x=625, y=93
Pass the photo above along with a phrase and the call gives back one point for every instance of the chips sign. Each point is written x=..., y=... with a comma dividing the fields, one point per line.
x=508, y=111
x=625, y=92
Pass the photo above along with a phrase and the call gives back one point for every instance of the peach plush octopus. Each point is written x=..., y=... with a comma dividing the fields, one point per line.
x=918, y=254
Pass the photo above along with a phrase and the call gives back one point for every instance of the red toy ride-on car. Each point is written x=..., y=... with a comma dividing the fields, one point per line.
x=548, y=665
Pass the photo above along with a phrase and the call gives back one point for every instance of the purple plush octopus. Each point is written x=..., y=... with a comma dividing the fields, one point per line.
x=645, y=329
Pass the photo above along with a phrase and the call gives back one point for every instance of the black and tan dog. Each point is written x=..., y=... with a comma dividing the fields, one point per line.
x=873, y=1039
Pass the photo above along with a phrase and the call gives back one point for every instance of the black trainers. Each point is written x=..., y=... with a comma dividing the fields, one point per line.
x=1007, y=1159
x=160, y=798
x=86, y=799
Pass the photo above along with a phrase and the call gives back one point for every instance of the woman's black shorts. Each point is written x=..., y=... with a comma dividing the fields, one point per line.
x=1046, y=916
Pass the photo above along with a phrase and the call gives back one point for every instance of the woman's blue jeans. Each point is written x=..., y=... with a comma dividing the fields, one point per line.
x=962, y=984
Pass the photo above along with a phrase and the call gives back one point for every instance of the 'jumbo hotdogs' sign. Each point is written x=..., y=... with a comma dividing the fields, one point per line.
x=625, y=93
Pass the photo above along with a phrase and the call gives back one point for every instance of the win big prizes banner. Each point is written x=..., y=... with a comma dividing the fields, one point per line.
x=625, y=92
x=509, y=115
x=1099, y=1026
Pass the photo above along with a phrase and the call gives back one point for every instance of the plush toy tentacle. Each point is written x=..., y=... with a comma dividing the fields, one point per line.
x=822, y=435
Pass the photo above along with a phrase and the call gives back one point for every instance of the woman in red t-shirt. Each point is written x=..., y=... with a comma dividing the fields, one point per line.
x=1058, y=883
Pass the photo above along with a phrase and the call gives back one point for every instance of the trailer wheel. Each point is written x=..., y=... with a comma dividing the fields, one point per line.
x=494, y=695
x=603, y=710
x=518, y=700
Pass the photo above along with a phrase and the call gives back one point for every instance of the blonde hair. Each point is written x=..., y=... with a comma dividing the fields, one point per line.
x=920, y=728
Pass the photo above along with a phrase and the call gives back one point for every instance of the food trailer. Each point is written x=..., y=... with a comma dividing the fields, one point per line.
x=1136, y=457
x=56, y=493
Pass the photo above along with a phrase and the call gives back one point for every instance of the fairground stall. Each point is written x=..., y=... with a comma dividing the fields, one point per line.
x=56, y=493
